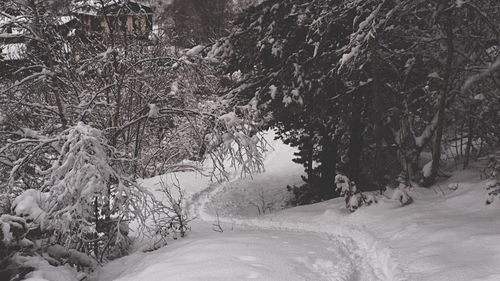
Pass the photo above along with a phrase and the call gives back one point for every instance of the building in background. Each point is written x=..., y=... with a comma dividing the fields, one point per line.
x=117, y=18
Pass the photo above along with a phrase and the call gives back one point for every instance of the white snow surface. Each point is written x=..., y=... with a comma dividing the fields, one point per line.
x=446, y=234
x=13, y=51
x=196, y=50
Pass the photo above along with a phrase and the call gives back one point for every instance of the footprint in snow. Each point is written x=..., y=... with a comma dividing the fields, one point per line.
x=253, y=275
x=321, y=264
x=248, y=258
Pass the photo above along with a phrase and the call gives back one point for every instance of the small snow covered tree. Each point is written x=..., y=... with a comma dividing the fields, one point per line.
x=493, y=185
x=13, y=230
x=353, y=197
x=88, y=202
x=174, y=219
x=235, y=142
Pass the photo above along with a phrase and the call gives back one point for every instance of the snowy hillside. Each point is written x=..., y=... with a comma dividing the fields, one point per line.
x=446, y=234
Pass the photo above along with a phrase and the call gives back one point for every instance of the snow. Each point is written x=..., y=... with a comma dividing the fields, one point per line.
x=434, y=75
x=10, y=224
x=273, y=90
x=479, y=97
x=445, y=235
x=343, y=184
x=427, y=169
x=30, y=205
x=66, y=19
x=13, y=51
x=230, y=119
x=347, y=57
x=174, y=88
x=459, y=3
x=195, y=51
x=154, y=111
x=427, y=132
x=237, y=255
x=44, y=271
x=277, y=48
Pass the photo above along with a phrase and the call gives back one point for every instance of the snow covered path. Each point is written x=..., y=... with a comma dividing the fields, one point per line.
x=363, y=257
x=445, y=235
x=255, y=247
x=240, y=254
x=258, y=249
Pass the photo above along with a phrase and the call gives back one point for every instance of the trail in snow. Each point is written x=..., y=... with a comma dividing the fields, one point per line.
x=445, y=235
x=240, y=254
x=222, y=202
x=276, y=247
x=372, y=260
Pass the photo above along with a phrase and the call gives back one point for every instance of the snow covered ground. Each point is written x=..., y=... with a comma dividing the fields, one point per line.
x=444, y=235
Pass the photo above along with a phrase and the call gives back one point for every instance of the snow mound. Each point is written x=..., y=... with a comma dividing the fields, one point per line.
x=30, y=205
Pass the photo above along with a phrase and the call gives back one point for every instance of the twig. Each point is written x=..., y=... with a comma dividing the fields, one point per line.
x=216, y=226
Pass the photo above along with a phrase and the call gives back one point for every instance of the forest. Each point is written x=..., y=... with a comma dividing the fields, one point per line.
x=98, y=95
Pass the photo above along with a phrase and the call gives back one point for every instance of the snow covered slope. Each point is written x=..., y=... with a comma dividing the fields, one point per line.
x=444, y=235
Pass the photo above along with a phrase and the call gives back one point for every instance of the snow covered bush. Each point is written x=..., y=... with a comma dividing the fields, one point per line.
x=492, y=171
x=493, y=188
x=400, y=190
x=172, y=219
x=401, y=195
x=82, y=213
x=453, y=186
x=353, y=198
x=90, y=201
x=13, y=230
x=264, y=203
x=32, y=205
x=308, y=193
x=235, y=142
x=86, y=202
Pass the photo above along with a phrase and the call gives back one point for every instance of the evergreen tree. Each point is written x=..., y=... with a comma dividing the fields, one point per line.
x=355, y=84
x=286, y=53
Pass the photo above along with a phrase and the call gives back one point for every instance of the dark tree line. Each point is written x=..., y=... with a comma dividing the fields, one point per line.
x=371, y=89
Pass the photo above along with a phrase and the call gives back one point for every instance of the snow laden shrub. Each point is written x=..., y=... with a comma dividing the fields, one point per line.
x=172, y=219
x=88, y=202
x=308, y=193
x=400, y=193
x=493, y=185
x=493, y=188
x=235, y=142
x=13, y=230
x=353, y=198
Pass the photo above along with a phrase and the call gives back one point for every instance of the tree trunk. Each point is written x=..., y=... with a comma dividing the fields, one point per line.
x=328, y=160
x=378, y=109
x=355, y=146
x=470, y=136
x=436, y=147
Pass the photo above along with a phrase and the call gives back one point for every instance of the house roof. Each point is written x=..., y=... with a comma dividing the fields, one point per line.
x=11, y=30
x=112, y=7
